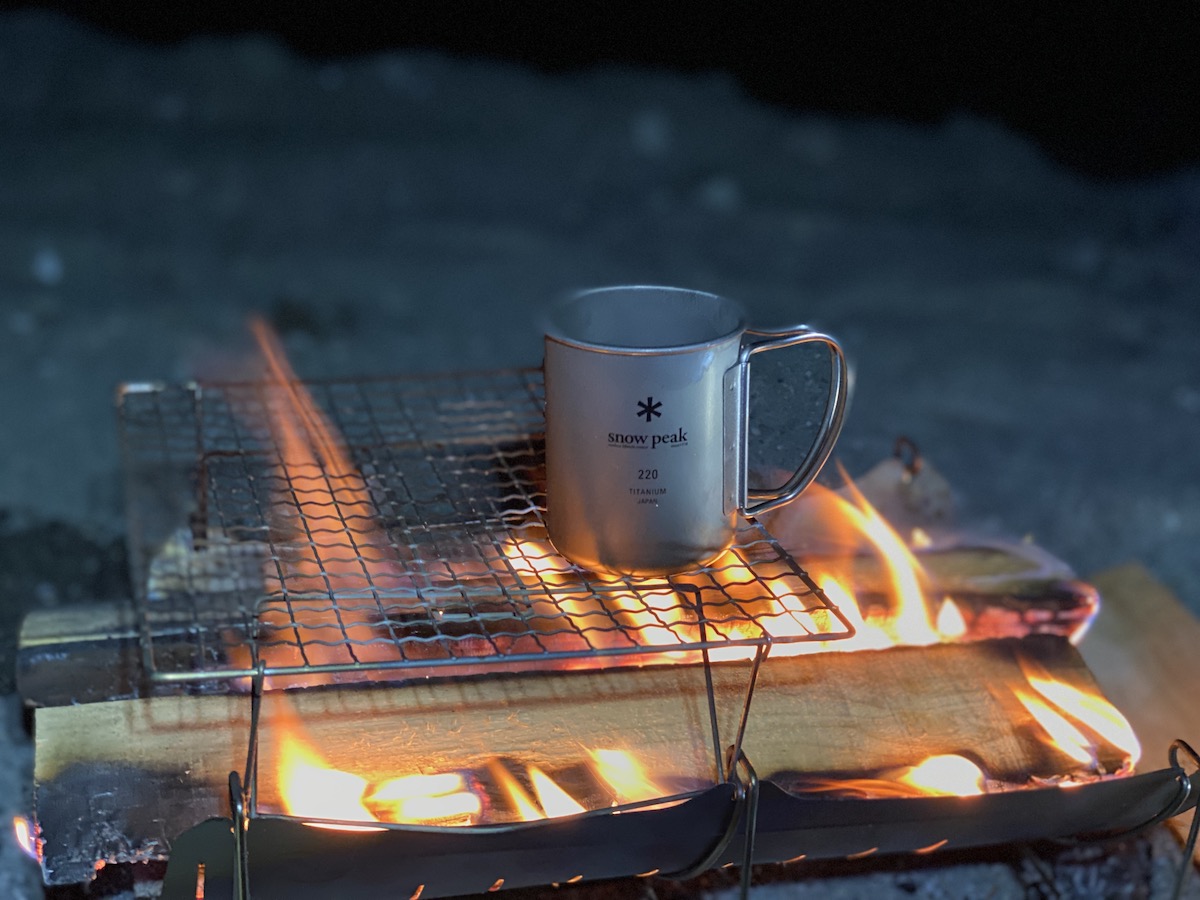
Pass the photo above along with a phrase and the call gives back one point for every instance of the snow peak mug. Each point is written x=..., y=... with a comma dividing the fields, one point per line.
x=647, y=408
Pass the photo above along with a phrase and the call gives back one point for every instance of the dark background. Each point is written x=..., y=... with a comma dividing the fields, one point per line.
x=1110, y=88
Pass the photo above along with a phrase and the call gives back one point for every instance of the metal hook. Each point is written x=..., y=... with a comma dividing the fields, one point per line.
x=1189, y=846
x=745, y=809
x=751, y=817
x=241, y=852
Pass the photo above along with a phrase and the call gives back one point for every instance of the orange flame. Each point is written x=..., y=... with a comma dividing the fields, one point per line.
x=1089, y=709
x=310, y=788
x=1063, y=735
x=910, y=622
x=656, y=616
x=26, y=837
x=328, y=492
x=332, y=545
x=526, y=809
x=1094, y=712
x=442, y=798
x=554, y=800
x=950, y=621
x=947, y=774
x=944, y=775
x=621, y=771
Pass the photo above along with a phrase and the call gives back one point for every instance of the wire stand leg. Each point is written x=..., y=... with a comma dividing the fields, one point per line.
x=1189, y=846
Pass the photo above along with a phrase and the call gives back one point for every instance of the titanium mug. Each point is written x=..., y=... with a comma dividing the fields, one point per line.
x=647, y=409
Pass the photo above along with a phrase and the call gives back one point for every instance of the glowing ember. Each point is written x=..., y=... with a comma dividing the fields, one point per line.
x=553, y=799
x=1063, y=735
x=947, y=774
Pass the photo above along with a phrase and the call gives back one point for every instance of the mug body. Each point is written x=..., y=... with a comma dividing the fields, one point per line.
x=641, y=438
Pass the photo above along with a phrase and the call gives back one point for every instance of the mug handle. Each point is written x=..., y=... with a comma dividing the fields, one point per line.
x=753, y=502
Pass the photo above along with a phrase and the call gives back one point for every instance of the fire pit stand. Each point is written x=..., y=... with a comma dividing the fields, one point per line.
x=423, y=560
x=431, y=554
x=448, y=571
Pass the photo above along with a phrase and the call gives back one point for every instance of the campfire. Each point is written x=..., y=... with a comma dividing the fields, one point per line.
x=349, y=602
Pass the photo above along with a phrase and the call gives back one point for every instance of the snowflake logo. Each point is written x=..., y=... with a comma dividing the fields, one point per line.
x=649, y=408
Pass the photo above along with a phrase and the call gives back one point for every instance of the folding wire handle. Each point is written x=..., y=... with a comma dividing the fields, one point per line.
x=754, y=501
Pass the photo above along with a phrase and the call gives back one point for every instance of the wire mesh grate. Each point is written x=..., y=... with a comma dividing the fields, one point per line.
x=398, y=524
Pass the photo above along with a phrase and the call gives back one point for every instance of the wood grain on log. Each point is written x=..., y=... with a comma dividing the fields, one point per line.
x=852, y=714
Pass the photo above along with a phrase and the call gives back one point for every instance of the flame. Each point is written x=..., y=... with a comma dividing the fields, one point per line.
x=336, y=559
x=943, y=775
x=657, y=616
x=334, y=556
x=1089, y=709
x=947, y=774
x=654, y=614
x=851, y=522
x=950, y=622
x=443, y=798
x=26, y=837
x=554, y=800
x=1063, y=735
x=621, y=771
x=311, y=789
x=910, y=622
x=526, y=809
x=328, y=492
x=1094, y=712
x=536, y=562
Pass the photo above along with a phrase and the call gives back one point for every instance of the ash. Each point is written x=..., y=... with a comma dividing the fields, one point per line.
x=1035, y=331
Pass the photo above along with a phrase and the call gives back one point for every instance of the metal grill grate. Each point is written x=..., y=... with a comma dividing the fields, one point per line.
x=425, y=550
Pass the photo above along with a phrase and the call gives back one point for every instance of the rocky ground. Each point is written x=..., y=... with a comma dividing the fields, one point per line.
x=1034, y=331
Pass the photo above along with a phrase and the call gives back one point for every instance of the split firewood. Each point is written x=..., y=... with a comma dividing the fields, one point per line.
x=835, y=717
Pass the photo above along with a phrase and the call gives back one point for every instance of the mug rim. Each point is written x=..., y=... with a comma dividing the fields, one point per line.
x=554, y=332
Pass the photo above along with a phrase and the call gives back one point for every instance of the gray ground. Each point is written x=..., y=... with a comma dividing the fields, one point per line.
x=1037, y=334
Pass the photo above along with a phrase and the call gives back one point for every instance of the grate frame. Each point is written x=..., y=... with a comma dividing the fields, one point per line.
x=426, y=554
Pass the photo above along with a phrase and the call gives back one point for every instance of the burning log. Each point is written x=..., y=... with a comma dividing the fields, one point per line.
x=999, y=589
x=164, y=762
x=995, y=588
